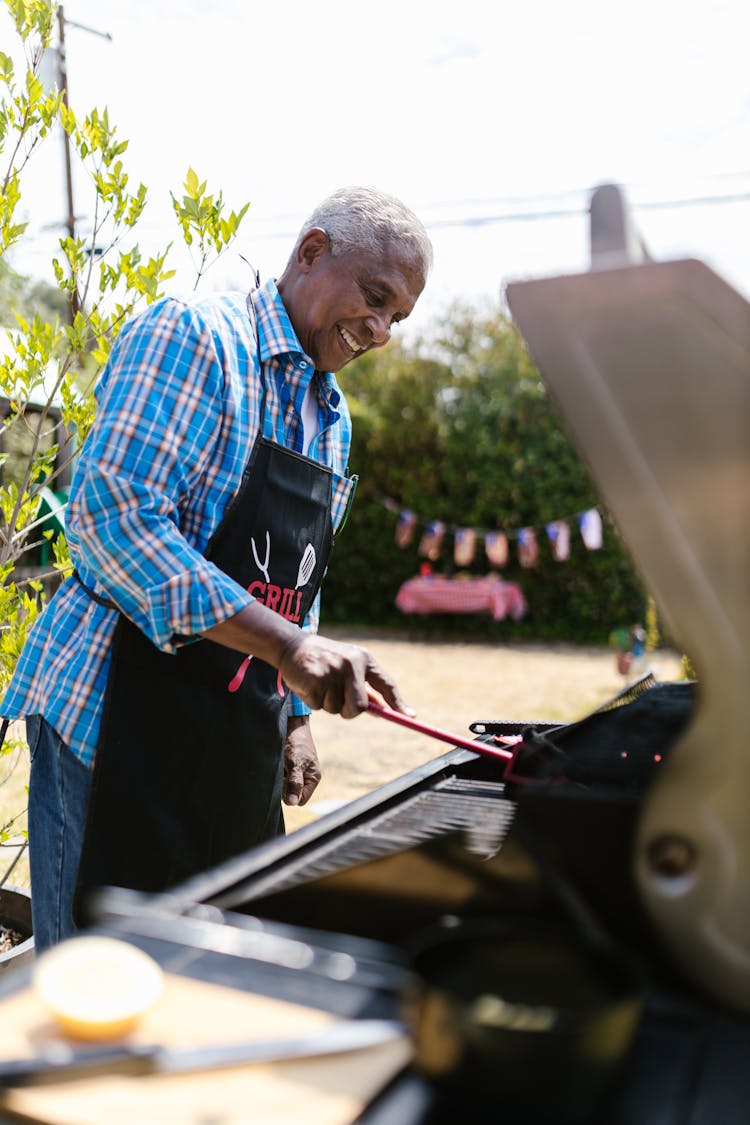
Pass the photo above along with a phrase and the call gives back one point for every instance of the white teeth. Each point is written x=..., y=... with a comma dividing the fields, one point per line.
x=349, y=340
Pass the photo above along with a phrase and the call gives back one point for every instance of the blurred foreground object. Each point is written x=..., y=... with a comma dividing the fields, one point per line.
x=97, y=987
x=649, y=363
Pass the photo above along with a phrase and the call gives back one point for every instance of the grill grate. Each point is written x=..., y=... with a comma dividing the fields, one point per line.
x=477, y=808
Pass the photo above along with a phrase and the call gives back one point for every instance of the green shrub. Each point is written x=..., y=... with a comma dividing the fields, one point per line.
x=459, y=428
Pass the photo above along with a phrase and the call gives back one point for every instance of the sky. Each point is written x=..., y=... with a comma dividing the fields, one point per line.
x=493, y=121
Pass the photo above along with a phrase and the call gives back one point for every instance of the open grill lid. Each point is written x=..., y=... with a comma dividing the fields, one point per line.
x=649, y=363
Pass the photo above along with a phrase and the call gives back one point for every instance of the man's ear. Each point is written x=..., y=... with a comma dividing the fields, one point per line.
x=312, y=247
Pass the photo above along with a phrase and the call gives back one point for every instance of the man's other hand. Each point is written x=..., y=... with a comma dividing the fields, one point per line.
x=301, y=765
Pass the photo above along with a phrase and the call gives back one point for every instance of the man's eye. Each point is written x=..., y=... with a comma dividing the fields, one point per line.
x=373, y=298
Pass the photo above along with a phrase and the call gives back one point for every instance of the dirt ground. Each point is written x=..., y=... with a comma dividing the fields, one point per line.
x=450, y=685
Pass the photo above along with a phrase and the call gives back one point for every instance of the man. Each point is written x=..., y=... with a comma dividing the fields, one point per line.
x=200, y=521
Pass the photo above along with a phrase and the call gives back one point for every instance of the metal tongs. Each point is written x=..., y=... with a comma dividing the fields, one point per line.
x=378, y=706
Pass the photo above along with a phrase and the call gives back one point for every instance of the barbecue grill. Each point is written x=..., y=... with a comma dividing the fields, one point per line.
x=650, y=366
x=621, y=836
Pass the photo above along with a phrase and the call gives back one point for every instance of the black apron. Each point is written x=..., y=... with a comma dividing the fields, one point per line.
x=189, y=764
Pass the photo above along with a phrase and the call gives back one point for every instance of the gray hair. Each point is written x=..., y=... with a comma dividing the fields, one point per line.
x=362, y=218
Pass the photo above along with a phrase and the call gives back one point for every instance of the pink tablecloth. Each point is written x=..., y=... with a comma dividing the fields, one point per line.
x=433, y=594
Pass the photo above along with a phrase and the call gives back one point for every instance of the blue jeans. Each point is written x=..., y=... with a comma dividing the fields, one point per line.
x=58, y=796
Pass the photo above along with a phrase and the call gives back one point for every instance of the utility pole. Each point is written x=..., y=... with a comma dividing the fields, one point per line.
x=62, y=71
x=70, y=222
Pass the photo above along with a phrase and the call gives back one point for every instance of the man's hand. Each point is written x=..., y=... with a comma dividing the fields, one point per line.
x=301, y=766
x=334, y=676
x=325, y=674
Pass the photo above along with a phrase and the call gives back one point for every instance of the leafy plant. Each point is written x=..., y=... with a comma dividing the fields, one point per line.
x=53, y=348
x=202, y=220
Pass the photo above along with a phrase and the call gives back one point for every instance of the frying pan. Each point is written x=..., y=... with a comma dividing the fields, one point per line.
x=523, y=1015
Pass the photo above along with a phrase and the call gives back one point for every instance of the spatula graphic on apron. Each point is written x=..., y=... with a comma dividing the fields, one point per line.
x=306, y=568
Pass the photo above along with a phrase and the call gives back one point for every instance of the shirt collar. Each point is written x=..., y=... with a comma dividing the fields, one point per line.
x=277, y=337
x=275, y=332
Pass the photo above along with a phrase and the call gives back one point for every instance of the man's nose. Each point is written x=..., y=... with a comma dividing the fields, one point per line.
x=379, y=325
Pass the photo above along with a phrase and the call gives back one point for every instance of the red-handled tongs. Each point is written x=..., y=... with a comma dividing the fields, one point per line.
x=381, y=709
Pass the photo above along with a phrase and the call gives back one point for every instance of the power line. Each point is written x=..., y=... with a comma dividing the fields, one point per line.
x=566, y=212
x=516, y=216
x=560, y=194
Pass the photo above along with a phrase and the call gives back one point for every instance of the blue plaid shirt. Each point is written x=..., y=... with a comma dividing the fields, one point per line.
x=178, y=411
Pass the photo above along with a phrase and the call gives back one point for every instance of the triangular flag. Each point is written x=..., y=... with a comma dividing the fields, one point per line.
x=496, y=548
x=590, y=523
x=558, y=534
x=432, y=540
x=405, y=525
x=528, y=550
x=464, y=544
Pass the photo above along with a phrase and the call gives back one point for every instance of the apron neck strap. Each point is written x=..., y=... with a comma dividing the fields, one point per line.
x=266, y=420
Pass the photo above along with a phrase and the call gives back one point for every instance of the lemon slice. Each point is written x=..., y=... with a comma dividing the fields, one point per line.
x=97, y=987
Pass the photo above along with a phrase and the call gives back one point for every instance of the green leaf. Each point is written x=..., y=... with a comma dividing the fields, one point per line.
x=191, y=184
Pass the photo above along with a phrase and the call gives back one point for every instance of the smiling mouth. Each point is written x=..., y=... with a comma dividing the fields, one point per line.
x=350, y=343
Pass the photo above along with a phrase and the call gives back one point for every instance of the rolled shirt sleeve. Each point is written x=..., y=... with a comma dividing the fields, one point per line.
x=165, y=406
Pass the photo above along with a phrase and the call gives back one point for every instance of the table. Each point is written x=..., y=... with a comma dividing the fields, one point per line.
x=433, y=593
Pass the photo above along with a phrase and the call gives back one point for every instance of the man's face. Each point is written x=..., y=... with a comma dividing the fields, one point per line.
x=343, y=306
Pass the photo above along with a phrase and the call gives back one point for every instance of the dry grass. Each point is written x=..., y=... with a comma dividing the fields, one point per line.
x=450, y=685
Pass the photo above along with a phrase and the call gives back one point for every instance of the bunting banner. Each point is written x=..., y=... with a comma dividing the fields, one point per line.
x=464, y=546
x=496, y=548
x=558, y=533
x=528, y=548
x=406, y=525
x=590, y=523
x=497, y=542
x=431, y=543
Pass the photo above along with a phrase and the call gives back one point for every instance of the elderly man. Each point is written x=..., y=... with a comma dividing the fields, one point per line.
x=181, y=661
